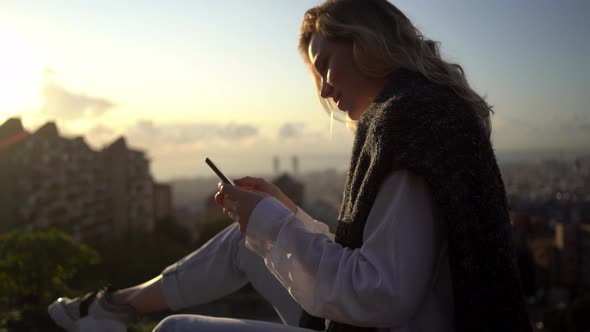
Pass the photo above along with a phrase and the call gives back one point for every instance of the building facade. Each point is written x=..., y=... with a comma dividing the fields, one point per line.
x=49, y=181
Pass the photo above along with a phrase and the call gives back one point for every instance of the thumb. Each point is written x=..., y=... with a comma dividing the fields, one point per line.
x=248, y=181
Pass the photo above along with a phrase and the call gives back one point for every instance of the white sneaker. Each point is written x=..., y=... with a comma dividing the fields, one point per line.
x=91, y=312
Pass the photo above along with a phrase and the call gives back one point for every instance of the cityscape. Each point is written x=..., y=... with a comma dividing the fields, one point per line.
x=108, y=110
x=54, y=182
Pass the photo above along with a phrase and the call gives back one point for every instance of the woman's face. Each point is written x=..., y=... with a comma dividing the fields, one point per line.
x=340, y=78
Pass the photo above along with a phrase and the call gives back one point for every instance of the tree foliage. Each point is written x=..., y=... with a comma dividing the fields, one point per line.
x=34, y=269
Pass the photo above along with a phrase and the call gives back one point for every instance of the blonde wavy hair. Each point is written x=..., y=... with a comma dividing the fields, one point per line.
x=384, y=39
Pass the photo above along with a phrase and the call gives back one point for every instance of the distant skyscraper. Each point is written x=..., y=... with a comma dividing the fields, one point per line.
x=290, y=187
x=275, y=163
x=162, y=201
x=295, y=165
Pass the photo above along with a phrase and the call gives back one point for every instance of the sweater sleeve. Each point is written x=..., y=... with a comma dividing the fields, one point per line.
x=380, y=284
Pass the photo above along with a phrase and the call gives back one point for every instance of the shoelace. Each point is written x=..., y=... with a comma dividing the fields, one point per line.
x=86, y=301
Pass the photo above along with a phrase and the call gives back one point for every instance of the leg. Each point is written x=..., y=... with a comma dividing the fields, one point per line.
x=216, y=257
x=145, y=298
x=268, y=286
x=220, y=267
x=197, y=323
x=185, y=283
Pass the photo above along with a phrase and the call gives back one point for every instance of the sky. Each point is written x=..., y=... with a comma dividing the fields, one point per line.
x=185, y=80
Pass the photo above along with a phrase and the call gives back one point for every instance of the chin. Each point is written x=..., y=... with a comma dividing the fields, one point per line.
x=353, y=115
x=350, y=116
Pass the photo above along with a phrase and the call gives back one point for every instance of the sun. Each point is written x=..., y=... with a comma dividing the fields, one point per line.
x=20, y=73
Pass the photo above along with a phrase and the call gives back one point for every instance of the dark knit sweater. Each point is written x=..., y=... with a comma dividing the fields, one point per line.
x=428, y=129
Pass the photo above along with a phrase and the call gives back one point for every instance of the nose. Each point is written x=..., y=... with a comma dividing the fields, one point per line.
x=327, y=90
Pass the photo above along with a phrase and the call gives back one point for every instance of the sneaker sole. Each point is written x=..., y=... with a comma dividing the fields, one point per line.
x=58, y=313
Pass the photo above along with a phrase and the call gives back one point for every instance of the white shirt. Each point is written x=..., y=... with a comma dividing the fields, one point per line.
x=399, y=280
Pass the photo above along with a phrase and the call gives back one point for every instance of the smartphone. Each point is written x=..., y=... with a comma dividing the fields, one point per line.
x=217, y=171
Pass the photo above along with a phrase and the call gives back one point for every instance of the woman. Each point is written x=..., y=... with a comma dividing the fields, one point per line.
x=423, y=241
x=420, y=126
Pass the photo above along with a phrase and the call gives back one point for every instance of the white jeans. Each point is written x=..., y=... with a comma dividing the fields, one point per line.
x=220, y=267
x=197, y=323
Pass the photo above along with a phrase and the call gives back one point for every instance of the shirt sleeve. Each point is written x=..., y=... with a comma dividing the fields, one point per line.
x=380, y=284
x=313, y=225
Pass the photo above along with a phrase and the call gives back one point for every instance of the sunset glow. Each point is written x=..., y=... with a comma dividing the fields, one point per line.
x=226, y=78
x=20, y=74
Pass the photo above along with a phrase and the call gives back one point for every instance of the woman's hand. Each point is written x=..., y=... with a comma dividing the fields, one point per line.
x=264, y=186
x=238, y=203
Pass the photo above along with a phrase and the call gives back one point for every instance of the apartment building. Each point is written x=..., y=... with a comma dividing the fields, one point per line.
x=50, y=181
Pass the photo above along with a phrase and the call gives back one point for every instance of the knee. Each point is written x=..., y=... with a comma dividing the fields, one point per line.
x=230, y=235
x=181, y=323
x=169, y=324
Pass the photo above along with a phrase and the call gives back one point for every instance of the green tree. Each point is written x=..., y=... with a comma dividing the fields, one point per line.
x=34, y=269
x=130, y=260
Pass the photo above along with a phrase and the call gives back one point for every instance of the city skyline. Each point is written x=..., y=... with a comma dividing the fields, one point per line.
x=224, y=80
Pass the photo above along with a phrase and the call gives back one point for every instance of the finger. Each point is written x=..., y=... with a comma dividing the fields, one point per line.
x=219, y=198
x=258, y=184
x=225, y=201
x=232, y=191
x=243, y=184
x=250, y=182
x=230, y=204
x=245, y=187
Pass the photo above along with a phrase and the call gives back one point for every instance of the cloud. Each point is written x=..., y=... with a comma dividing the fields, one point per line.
x=507, y=120
x=566, y=129
x=291, y=130
x=100, y=134
x=100, y=130
x=64, y=104
x=233, y=131
x=576, y=123
x=576, y=127
x=186, y=133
